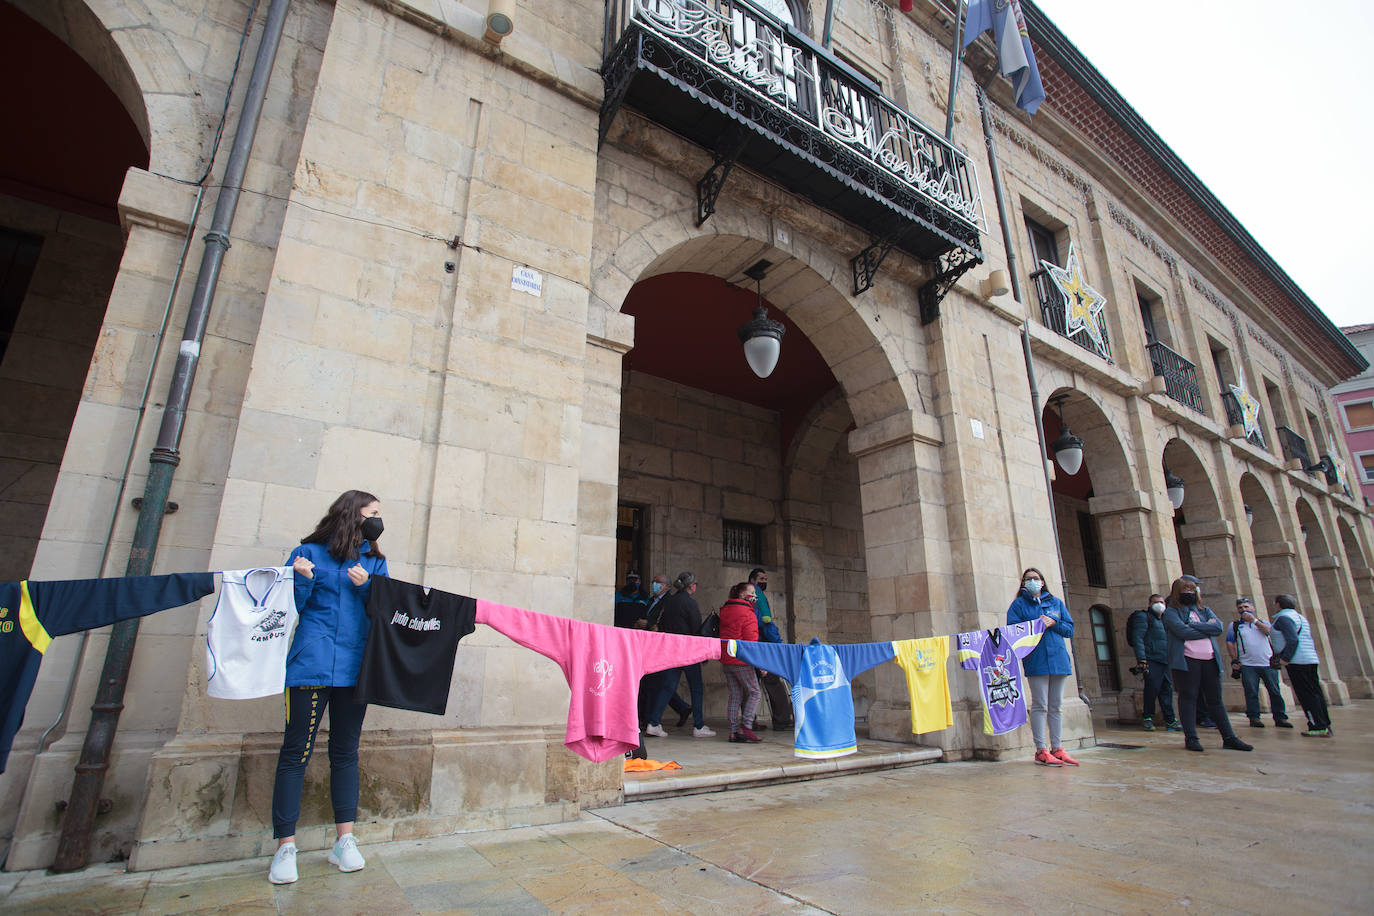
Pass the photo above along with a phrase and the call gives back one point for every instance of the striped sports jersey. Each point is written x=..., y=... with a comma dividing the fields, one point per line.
x=821, y=696
x=996, y=655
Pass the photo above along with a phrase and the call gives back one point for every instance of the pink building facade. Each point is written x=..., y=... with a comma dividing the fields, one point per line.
x=1355, y=407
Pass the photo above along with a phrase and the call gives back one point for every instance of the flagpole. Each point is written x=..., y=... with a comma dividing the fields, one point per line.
x=954, y=61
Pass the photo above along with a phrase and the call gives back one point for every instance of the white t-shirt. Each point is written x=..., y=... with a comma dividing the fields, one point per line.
x=1251, y=642
x=250, y=632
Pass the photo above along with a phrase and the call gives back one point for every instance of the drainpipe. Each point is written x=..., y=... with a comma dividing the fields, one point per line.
x=1000, y=195
x=79, y=819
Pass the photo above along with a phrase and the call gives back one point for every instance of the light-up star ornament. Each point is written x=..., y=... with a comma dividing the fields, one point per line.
x=1339, y=466
x=1249, y=410
x=1082, y=303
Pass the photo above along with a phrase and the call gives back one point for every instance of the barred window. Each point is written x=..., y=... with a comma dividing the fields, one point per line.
x=742, y=542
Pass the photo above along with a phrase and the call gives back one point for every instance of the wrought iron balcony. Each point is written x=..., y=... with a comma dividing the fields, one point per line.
x=1294, y=446
x=754, y=91
x=1180, y=376
x=1052, y=316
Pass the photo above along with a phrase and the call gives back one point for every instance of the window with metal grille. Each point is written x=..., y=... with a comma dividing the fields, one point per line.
x=742, y=542
x=1092, y=550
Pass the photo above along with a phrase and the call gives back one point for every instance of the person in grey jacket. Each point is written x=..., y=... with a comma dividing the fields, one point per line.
x=1195, y=658
x=1145, y=630
x=1292, y=641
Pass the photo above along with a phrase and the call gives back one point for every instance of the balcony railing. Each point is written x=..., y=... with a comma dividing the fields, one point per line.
x=1294, y=446
x=735, y=80
x=1053, y=317
x=1180, y=376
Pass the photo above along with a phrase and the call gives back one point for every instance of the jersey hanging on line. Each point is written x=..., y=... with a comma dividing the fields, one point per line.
x=927, y=682
x=411, y=645
x=821, y=694
x=602, y=666
x=249, y=633
x=996, y=655
x=32, y=613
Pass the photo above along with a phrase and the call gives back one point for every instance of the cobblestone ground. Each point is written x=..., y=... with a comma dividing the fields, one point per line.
x=1285, y=829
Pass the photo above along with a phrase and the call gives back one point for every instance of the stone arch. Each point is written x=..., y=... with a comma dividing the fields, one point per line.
x=1274, y=553
x=864, y=355
x=1331, y=605
x=115, y=55
x=1363, y=576
x=1204, y=537
x=1105, y=458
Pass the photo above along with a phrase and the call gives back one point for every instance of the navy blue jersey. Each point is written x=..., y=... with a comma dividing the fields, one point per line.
x=32, y=613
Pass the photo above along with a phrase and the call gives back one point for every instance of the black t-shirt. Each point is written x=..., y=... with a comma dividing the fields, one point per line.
x=411, y=644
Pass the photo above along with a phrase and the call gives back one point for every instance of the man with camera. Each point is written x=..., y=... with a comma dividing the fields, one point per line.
x=1145, y=631
x=1247, y=642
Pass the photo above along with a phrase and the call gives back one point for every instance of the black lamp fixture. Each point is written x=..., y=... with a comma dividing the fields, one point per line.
x=1174, y=484
x=761, y=336
x=1068, y=448
x=1249, y=516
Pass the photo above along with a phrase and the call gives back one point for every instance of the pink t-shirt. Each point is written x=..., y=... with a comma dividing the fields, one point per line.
x=602, y=666
x=1197, y=648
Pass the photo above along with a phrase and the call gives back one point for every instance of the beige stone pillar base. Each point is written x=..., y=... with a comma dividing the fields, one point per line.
x=210, y=796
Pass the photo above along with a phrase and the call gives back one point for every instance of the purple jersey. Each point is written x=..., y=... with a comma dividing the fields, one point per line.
x=996, y=655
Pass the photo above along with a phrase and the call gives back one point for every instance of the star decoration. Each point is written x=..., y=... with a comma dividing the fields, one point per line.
x=1249, y=410
x=1339, y=465
x=1082, y=303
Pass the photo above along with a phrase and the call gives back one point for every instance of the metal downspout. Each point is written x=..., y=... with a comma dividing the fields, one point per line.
x=1000, y=195
x=79, y=818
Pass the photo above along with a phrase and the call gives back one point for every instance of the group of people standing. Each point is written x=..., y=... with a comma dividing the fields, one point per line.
x=672, y=608
x=1176, y=646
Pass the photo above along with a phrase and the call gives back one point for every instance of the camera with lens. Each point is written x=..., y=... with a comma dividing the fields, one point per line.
x=1140, y=670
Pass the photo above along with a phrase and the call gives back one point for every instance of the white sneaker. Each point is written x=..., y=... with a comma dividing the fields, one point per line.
x=703, y=732
x=283, y=870
x=655, y=730
x=345, y=854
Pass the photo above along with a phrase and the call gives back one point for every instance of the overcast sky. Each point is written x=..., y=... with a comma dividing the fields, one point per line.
x=1269, y=103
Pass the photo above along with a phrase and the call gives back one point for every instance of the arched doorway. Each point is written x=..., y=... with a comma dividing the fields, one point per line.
x=1205, y=539
x=1104, y=533
x=71, y=140
x=1332, y=607
x=1363, y=575
x=1274, y=554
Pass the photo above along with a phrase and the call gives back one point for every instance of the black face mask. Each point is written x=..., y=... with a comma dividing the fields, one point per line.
x=1188, y=599
x=372, y=528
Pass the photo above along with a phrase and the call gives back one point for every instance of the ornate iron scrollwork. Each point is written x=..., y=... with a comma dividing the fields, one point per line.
x=949, y=268
x=728, y=151
x=867, y=262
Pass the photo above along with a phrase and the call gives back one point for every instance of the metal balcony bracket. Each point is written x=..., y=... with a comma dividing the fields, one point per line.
x=728, y=150
x=867, y=262
x=948, y=269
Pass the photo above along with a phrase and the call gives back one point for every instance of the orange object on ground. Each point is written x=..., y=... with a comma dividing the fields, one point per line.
x=644, y=766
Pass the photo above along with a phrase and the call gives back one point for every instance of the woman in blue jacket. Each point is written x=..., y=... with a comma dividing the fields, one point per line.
x=333, y=568
x=1047, y=667
x=1196, y=661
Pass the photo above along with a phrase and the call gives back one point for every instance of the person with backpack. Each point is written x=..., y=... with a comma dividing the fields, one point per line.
x=1247, y=642
x=1145, y=632
x=1291, y=637
x=738, y=621
x=680, y=615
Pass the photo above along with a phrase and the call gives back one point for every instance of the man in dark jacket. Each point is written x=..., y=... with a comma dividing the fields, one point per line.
x=1145, y=630
x=681, y=615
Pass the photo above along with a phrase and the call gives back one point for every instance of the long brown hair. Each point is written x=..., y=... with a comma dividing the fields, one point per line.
x=341, y=528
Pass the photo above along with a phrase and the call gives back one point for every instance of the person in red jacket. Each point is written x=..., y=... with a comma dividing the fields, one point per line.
x=737, y=621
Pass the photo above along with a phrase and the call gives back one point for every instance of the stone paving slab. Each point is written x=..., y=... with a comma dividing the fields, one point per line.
x=1287, y=829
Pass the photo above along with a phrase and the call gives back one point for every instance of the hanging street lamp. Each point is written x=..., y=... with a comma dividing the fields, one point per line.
x=761, y=336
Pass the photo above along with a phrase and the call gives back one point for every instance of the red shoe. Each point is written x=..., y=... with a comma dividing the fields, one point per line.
x=1063, y=757
x=748, y=736
x=1046, y=759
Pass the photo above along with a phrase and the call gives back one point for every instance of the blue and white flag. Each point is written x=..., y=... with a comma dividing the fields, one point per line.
x=1013, y=46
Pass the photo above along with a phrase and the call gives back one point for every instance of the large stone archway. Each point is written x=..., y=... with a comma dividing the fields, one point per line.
x=1205, y=538
x=1334, y=612
x=1363, y=575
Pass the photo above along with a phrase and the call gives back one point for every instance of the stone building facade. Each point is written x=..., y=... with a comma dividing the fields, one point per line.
x=449, y=257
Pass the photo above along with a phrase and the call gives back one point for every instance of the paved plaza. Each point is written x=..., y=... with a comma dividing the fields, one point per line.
x=1148, y=829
